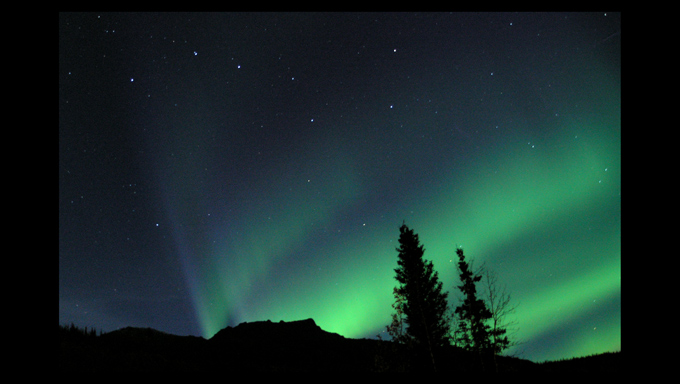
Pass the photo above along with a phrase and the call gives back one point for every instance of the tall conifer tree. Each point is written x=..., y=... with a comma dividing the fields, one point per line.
x=473, y=333
x=425, y=304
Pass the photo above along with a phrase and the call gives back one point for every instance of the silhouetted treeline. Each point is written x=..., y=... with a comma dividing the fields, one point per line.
x=265, y=346
x=603, y=362
x=74, y=331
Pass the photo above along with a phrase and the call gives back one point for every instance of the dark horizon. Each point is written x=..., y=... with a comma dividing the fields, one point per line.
x=98, y=333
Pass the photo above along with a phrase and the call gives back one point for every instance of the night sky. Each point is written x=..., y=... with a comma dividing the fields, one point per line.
x=222, y=168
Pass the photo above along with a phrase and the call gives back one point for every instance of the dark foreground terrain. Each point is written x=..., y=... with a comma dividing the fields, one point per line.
x=297, y=346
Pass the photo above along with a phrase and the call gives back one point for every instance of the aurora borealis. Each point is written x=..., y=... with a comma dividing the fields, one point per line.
x=222, y=168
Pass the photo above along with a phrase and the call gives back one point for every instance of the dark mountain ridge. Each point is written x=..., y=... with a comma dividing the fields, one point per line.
x=265, y=346
x=281, y=332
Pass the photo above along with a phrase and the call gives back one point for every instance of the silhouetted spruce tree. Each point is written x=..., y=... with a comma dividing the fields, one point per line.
x=424, y=304
x=472, y=314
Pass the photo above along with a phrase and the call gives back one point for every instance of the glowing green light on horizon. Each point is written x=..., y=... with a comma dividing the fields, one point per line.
x=347, y=300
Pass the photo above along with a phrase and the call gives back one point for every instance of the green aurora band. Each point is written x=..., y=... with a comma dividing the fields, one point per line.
x=546, y=219
x=536, y=194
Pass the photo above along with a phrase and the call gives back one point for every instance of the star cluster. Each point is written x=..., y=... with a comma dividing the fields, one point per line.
x=230, y=167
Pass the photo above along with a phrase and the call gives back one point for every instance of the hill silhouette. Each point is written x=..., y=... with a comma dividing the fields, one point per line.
x=265, y=346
